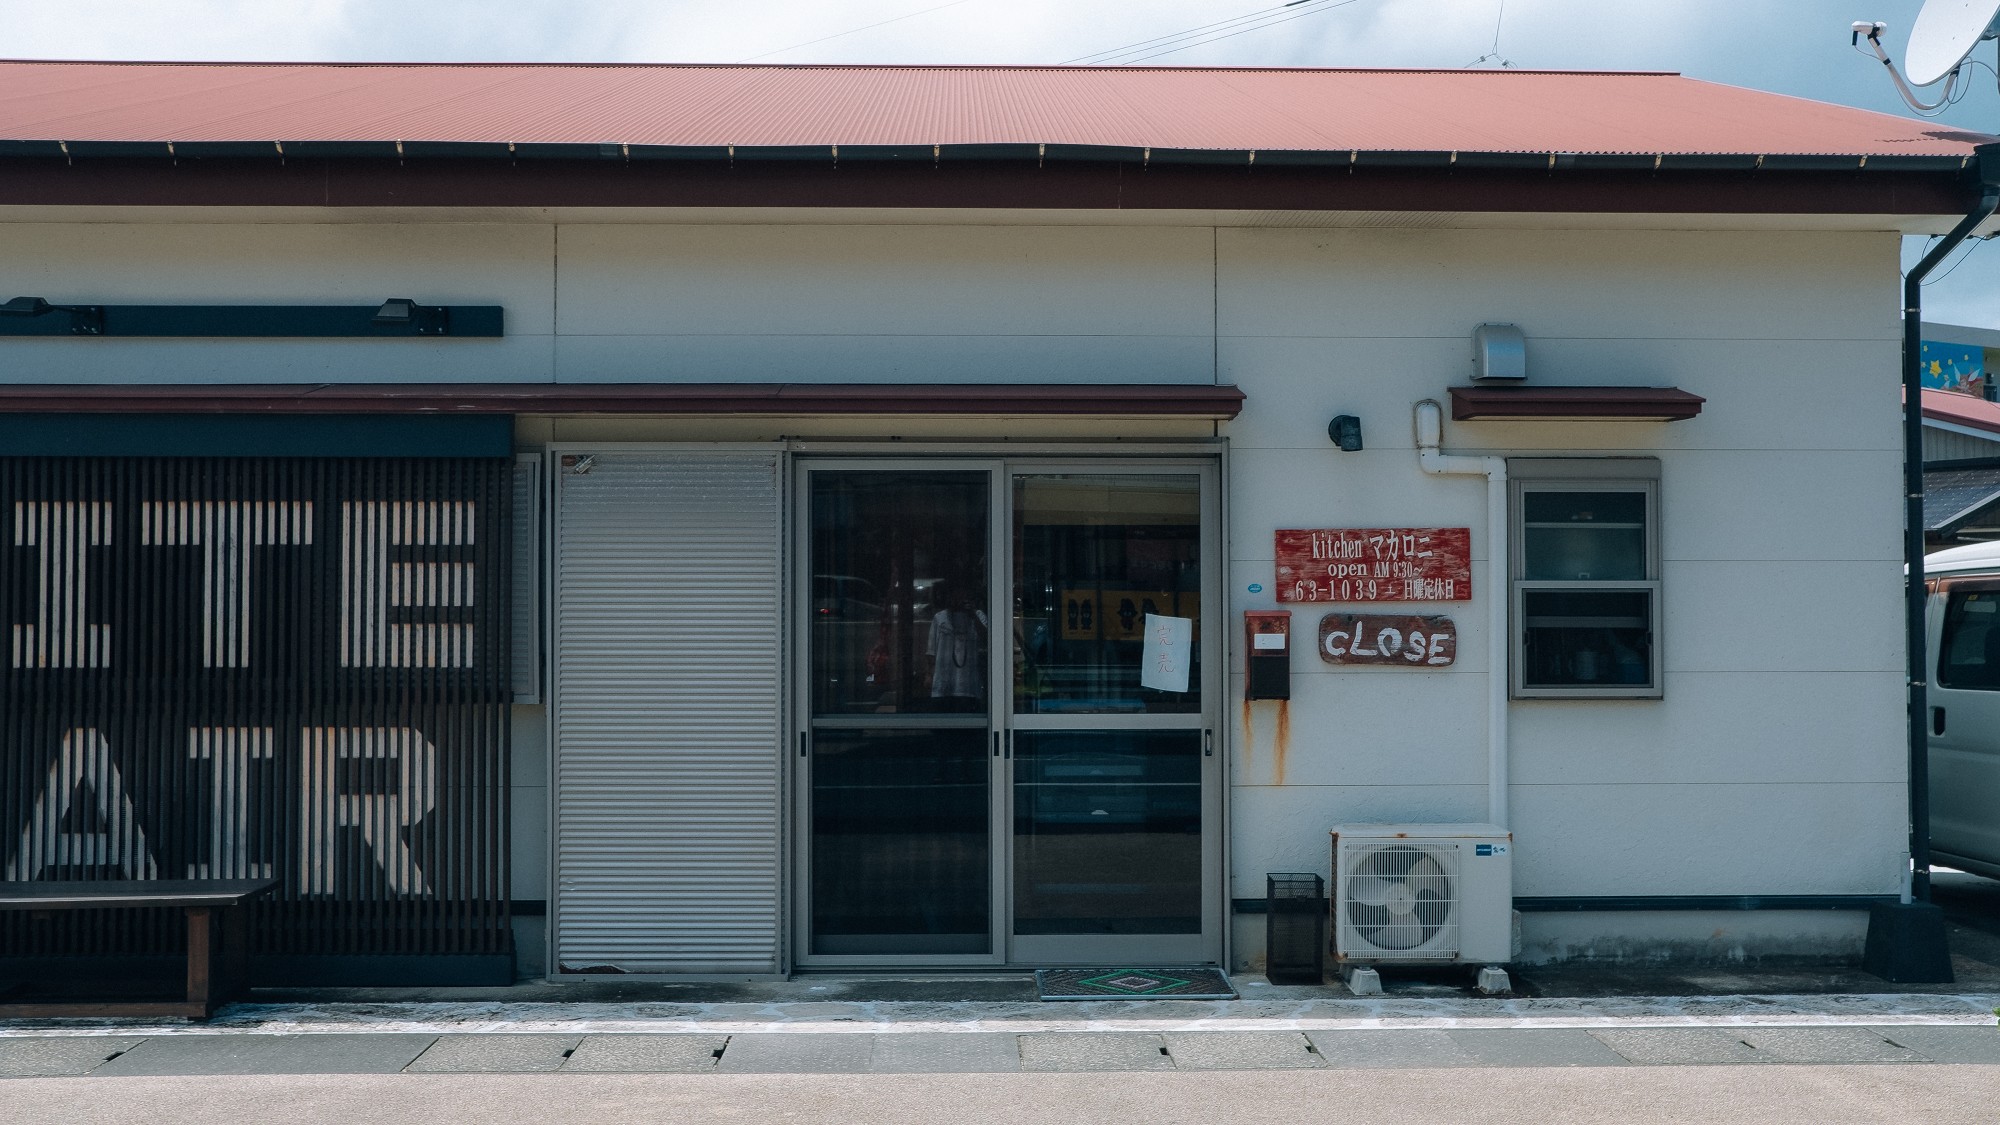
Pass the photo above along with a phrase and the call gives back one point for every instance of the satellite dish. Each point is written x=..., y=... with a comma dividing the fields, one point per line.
x=1945, y=32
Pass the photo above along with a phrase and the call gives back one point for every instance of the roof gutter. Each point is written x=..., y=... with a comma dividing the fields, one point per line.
x=406, y=151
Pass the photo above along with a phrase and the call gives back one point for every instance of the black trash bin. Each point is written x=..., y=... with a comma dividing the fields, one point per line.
x=1294, y=928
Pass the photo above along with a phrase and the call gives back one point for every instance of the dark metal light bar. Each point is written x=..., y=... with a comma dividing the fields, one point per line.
x=397, y=317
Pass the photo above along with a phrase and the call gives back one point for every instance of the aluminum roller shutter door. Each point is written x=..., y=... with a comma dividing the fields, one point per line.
x=667, y=703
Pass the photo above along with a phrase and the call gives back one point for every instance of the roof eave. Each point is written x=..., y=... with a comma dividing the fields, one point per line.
x=363, y=175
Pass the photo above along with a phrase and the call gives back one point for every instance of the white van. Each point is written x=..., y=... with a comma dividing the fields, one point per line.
x=1962, y=623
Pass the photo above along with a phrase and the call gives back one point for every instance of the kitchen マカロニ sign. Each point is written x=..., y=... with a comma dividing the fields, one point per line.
x=1375, y=564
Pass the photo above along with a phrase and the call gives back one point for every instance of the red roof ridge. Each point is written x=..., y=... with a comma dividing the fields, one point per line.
x=602, y=64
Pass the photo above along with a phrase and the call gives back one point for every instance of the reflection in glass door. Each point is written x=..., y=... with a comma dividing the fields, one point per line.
x=900, y=642
x=1107, y=832
x=1112, y=797
x=991, y=768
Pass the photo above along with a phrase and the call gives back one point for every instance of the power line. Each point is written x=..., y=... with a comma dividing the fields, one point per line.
x=1498, y=21
x=1970, y=244
x=1208, y=32
x=1243, y=33
x=1179, y=34
x=854, y=30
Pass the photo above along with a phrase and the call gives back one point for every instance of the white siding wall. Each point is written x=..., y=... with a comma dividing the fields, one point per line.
x=885, y=304
x=1772, y=766
x=625, y=302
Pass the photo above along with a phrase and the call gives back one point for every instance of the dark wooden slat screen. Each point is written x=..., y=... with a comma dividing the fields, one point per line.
x=232, y=668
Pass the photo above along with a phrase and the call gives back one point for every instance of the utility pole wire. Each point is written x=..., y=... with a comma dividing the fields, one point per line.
x=1495, y=52
x=1219, y=38
x=1210, y=33
x=1175, y=37
x=854, y=30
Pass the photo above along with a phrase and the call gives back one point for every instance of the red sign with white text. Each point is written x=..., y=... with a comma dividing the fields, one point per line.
x=1375, y=564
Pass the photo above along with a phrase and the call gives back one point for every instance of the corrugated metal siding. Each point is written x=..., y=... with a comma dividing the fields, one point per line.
x=1944, y=445
x=668, y=681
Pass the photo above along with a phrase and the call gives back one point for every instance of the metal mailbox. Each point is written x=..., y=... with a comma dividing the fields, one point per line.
x=1267, y=647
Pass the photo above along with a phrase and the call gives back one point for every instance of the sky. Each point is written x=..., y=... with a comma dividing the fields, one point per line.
x=1798, y=47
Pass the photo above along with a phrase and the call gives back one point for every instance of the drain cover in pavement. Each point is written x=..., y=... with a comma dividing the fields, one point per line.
x=1133, y=984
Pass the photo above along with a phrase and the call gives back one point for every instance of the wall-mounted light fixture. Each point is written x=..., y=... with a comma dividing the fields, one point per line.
x=80, y=320
x=1345, y=432
x=395, y=310
x=426, y=320
x=397, y=316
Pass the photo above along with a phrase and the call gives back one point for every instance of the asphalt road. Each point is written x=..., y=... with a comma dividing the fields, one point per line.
x=1822, y=1095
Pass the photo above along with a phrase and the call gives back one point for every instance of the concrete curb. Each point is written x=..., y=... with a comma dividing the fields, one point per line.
x=878, y=1018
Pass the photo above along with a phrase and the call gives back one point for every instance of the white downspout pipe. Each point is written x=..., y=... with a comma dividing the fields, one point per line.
x=1430, y=434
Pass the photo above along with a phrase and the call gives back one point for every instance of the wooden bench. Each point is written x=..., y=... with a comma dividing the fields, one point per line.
x=218, y=941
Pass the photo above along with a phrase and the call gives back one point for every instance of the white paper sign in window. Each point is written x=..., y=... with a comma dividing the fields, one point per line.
x=1168, y=652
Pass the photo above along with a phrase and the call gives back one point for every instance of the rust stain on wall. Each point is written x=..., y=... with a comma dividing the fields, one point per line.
x=1282, y=743
x=1249, y=740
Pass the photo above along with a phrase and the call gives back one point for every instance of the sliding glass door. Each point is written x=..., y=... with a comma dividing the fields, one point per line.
x=1006, y=684
x=900, y=785
x=1111, y=814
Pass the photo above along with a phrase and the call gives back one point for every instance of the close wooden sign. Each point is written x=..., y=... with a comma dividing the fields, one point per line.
x=1403, y=640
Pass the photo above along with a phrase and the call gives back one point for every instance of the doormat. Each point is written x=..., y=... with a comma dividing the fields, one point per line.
x=1133, y=984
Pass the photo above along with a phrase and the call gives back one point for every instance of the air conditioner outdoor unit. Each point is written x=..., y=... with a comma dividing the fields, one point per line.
x=1422, y=894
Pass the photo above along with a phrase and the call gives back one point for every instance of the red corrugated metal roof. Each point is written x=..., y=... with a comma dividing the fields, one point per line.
x=746, y=106
x=1962, y=410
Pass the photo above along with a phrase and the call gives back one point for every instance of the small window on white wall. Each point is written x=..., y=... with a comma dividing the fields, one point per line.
x=1586, y=569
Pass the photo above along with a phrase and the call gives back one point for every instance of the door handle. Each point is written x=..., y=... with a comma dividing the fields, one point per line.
x=1208, y=744
x=1937, y=720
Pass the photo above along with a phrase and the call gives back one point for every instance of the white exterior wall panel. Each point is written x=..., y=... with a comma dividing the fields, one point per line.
x=668, y=674
x=1559, y=284
x=1774, y=764
x=885, y=304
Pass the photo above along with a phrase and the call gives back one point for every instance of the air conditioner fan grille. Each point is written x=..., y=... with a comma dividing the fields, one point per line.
x=1401, y=898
